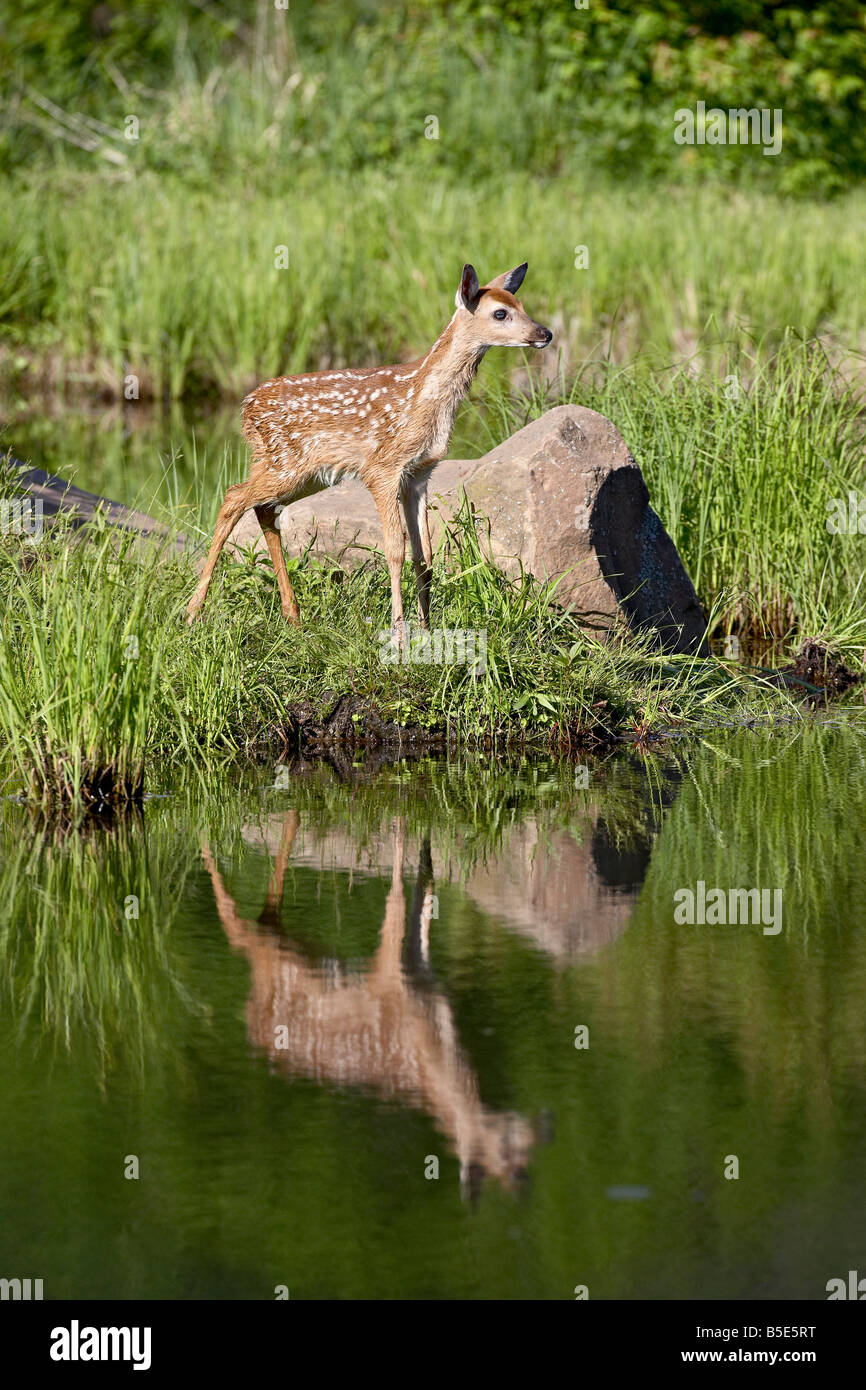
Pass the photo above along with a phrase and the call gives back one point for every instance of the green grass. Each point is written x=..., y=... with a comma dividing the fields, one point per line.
x=347, y=84
x=306, y=128
x=720, y=328
x=100, y=676
x=184, y=294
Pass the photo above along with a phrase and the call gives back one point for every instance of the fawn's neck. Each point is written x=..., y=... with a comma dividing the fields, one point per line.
x=443, y=378
x=447, y=372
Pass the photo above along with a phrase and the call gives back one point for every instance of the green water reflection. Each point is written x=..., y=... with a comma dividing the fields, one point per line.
x=342, y=973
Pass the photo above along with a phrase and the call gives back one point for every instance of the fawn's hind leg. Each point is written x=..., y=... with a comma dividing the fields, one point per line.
x=267, y=514
x=234, y=505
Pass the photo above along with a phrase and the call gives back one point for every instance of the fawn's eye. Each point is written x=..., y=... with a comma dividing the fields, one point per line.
x=500, y=313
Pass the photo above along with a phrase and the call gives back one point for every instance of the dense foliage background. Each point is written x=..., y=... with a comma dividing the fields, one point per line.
x=537, y=84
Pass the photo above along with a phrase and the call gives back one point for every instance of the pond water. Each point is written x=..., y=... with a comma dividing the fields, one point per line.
x=122, y=452
x=432, y=1030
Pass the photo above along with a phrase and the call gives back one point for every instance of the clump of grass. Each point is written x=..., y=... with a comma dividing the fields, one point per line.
x=77, y=672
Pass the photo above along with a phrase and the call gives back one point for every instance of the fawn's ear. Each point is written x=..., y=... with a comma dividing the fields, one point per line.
x=468, y=291
x=511, y=280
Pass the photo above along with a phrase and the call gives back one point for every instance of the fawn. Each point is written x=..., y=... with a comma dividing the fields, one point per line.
x=388, y=426
x=383, y=1029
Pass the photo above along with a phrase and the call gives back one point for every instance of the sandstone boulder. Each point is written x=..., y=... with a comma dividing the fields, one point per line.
x=565, y=499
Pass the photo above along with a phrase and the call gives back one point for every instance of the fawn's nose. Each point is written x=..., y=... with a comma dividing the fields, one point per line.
x=544, y=337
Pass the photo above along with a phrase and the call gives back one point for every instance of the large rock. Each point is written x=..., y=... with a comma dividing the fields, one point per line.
x=565, y=499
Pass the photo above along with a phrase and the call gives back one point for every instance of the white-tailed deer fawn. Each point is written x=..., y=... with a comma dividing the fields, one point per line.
x=375, y=1029
x=388, y=426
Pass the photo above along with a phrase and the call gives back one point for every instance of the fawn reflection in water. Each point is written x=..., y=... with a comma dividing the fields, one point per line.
x=388, y=1029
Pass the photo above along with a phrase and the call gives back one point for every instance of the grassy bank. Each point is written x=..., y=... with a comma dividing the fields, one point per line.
x=743, y=471
x=99, y=674
x=100, y=678
x=747, y=473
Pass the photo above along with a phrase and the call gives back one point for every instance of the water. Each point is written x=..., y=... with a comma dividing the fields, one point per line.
x=124, y=452
x=341, y=979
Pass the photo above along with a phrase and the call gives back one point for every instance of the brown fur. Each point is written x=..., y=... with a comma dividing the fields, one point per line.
x=388, y=426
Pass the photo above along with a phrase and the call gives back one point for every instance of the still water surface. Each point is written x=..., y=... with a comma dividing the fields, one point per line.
x=343, y=979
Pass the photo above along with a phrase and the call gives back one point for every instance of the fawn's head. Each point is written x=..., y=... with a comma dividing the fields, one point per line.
x=500, y=1147
x=492, y=316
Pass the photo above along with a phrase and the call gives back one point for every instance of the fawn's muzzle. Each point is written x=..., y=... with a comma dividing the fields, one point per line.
x=542, y=336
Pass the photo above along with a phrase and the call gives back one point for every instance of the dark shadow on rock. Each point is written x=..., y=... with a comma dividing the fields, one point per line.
x=642, y=566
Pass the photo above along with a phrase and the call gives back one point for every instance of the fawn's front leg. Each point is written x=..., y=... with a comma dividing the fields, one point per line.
x=395, y=551
x=414, y=494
